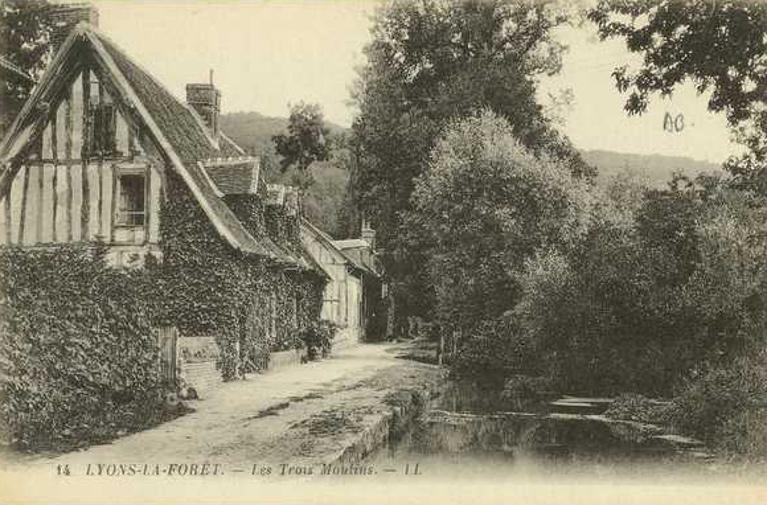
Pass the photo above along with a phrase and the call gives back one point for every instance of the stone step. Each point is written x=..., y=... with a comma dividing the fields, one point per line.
x=679, y=441
x=577, y=407
x=585, y=399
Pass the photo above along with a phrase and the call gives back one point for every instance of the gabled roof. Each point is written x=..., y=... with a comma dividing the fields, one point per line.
x=174, y=127
x=308, y=227
x=353, y=249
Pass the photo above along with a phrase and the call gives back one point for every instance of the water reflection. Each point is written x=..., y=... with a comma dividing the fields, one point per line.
x=470, y=432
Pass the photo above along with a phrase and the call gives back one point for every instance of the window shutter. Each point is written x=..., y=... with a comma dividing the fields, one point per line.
x=102, y=134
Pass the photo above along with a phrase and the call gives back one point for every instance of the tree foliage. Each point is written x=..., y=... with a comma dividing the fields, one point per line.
x=428, y=63
x=484, y=206
x=25, y=31
x=24, y=43
x=306, y=141
x=718, y=45
x=639, y=304
x=326, y=200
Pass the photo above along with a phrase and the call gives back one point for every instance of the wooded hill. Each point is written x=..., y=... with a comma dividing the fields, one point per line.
x=654, y=169
x=253, y=131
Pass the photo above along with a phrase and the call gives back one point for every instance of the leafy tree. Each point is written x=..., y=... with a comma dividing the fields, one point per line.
x=484, y=206
x=24, y=42
x=324, y=185
x=718, y=45
x=428, y=63
x=306, y=141
x=640, y=304
x=25, y=31
x=325, y=200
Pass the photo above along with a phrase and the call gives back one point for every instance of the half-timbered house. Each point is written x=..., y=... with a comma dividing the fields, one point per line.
x=99, y=153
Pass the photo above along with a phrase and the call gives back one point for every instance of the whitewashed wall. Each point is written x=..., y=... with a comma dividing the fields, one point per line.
x=342, y=302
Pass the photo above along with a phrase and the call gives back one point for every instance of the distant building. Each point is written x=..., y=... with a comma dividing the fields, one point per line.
x=353, y=296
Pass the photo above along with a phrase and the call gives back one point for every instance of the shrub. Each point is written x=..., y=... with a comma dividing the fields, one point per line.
x=79, y=356
x=725, y=405
x=318, y=337
x=485, y=204
x=493, y=351
x=636, y=304
x=583, y=312
x=635, y=407
x=524, y=392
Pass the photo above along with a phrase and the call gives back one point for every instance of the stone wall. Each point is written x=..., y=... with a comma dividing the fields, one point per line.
x=282, y=359
x=197, y=363
x=202, y=376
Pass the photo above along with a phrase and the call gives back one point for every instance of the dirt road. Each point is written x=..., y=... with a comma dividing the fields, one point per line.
x=302, y=415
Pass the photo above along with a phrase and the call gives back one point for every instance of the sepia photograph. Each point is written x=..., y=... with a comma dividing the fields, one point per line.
x=383, y=251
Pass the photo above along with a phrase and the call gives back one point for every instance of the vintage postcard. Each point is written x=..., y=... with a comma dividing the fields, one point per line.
x=383, y=251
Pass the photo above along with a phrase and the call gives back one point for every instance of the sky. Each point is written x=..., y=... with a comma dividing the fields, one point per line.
x=268, y=54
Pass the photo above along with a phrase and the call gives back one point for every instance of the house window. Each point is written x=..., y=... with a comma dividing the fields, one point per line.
x=132, y=201
x=102, y=135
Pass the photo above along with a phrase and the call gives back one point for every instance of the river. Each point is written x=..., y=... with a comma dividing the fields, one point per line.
x=459, y=436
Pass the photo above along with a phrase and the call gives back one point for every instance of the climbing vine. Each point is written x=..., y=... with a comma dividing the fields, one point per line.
x=252, y=306
x=78, y=354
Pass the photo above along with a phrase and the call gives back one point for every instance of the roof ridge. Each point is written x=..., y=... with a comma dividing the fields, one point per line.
x=329, y=241
x=220, y=162
x=236, y=146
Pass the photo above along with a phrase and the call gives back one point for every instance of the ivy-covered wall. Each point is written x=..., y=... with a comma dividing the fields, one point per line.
x=78, y=354
x=77, y=346
x=251, y=305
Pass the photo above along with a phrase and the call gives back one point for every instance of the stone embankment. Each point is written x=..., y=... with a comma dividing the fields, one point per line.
x=553, y=432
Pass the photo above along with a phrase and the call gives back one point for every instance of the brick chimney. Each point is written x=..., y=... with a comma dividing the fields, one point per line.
x=368, y=234
x=64, y=17
x=206, y=100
